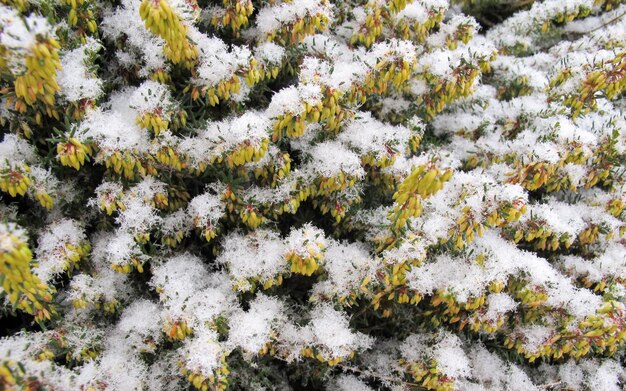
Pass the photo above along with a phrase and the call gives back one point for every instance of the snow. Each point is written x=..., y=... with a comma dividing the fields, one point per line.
x=52, y=250
x=143, y=47
x=150, y=96
x=113, y=130
x=347, y=266
x=271, y=18
x=236, y=293
x=205, y=209
x=251, y=330
x=256, y=255
x=19, y=35
x=14, y=150
x=75, y=78
x=349, y=383
x=331, y=158
x=202, y=353
x=329, y=331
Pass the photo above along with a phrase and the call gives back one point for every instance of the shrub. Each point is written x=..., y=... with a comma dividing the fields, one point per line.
x=307, y=194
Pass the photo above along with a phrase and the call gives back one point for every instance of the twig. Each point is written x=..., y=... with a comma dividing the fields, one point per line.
x=522, y=3
x=367, y=373
x=615, y=19
x=377, y=375
x=549, y=385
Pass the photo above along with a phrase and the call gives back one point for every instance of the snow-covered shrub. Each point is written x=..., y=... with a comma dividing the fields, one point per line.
x=313, y=194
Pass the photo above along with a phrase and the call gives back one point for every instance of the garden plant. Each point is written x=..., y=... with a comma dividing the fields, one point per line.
x=312, y=195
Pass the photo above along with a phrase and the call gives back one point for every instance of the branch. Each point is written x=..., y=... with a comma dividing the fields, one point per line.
x=615, y=19
x=375, y=375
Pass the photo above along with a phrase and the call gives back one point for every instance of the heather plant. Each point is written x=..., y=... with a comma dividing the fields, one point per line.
x=313, y=194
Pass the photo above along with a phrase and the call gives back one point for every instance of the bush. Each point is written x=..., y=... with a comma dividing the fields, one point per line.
x=306, y=194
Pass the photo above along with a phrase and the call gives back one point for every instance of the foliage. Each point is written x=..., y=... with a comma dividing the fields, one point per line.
x=306, y=194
